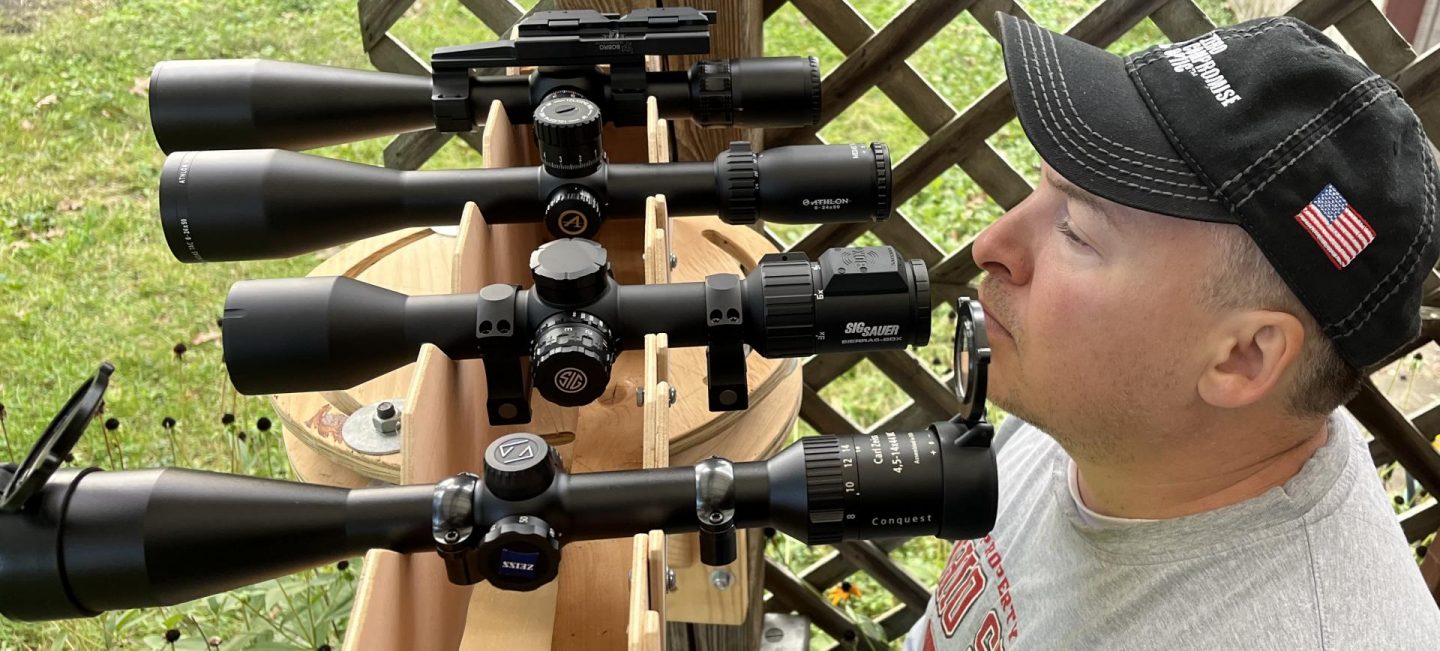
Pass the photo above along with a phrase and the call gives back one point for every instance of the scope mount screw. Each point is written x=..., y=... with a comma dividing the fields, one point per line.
x=671, y=583
x=721, y=579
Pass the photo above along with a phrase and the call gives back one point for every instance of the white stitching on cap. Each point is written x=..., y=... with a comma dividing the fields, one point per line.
x=1045, y=123
x=1250, y=32
x=1318, y=139
x=1174, y=141
x=1308, y=123
x=1411, y=257
x=1065, y=88
x=1046, y=57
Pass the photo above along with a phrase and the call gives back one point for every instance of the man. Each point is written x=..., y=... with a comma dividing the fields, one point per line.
x=1228, y=232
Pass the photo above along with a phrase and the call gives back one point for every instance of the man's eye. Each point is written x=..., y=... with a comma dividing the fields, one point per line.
x=1064, y=228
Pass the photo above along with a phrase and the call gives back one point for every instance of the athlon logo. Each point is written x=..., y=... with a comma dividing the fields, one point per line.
x=826, y=204
x=573, y=222
x=571, y=380
x=859, y=328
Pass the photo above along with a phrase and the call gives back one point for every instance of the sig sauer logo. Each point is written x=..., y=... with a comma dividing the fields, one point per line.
x=859, y=328
x=571, y=380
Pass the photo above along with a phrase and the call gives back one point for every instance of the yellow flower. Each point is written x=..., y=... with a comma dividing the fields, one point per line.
x=842, y=592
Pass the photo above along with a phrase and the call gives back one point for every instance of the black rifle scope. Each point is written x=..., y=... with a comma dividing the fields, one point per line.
x=255, y=204
x=326, y=333
x=258, y=104
x=78, y=542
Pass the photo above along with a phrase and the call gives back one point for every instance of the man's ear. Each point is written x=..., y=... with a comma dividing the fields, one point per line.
x=1248, y=355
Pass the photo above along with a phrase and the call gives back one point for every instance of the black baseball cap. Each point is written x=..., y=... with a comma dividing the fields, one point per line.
x=1267, y=125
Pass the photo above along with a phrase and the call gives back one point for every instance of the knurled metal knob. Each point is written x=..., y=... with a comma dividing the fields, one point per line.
x=520, y=466
x=567, y=129
x=569, y=271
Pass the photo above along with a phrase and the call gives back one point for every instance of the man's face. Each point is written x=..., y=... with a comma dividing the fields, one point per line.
x=1094, y=312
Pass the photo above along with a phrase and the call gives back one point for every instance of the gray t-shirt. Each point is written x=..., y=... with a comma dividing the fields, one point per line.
x=1318, y=563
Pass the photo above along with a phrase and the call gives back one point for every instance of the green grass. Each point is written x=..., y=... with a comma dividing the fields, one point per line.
x=85, y=275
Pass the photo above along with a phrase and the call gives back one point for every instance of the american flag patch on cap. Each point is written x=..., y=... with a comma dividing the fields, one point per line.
x=1340, y=231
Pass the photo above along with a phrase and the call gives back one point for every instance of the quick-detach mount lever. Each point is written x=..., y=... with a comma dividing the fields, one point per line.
x=567, y=45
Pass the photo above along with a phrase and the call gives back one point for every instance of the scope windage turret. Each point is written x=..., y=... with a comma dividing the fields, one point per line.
x=257, y=204
x=91, y=541
x=260, y=104
x=313, y=334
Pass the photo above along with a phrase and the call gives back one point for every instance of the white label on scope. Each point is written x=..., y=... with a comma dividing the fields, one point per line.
x=856, y=332
x=888, y=451
x=900, y=521
x=826, y=204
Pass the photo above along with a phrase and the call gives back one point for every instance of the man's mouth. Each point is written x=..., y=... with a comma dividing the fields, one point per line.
x=994, y=325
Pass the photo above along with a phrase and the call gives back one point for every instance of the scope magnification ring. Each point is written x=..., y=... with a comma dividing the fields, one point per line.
x=882, y=180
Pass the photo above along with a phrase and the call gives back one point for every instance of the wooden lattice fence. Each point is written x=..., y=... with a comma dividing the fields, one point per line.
x=876, y=58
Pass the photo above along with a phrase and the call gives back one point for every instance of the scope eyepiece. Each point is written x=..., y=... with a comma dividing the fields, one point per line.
x=814, y=184
x=757, y=93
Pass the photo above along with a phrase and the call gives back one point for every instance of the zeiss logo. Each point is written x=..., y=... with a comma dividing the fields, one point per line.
x=518, y=564
x=859, y=328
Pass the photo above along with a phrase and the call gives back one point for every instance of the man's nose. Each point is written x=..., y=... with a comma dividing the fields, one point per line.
x=1005, y=248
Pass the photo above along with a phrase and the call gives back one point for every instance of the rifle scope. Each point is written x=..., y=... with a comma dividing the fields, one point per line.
x=259, y=104
x=75, y=543
x=256, y=204
x=326, y=333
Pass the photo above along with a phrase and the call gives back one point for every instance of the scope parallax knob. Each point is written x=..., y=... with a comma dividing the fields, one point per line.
x=573, y=212
x=570, y=271
x=520, y=467
x=570, y=362
x=567, y=128
x=520, y=553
